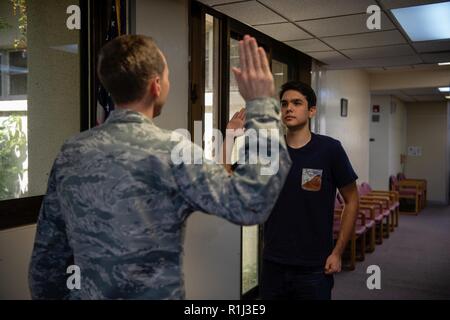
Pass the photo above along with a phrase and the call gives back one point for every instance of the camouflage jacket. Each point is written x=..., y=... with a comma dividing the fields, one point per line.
x=116, y=207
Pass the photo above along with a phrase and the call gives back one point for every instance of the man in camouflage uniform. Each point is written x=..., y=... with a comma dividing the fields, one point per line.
x=116, y=203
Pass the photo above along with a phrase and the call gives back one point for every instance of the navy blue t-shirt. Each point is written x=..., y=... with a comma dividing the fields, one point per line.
x=299, y=230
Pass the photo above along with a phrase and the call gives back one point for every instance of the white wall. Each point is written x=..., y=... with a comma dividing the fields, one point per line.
x=212, y=245
x=389, y=143
x=428, y=128
x=397, y=134
x=352, y=131
x=379, y=147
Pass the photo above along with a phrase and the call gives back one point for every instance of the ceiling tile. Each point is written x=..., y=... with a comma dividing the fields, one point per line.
x=435, y=97
x=328, y=56
x=399, y=68
x=283, y=31
x=310, y=45
x=431, y=46
x=378, y=52
x=420, y=91
x=436, y=57
x=366, y=40
x=250, y=12
x=375, y=70
x=391, y=4
x=296, y=10
x=388, y=61
x=343, y=25
x=215, y=2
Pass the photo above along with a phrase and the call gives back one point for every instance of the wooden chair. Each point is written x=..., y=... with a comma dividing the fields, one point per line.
x=394, y=204
x=408, y=190
x=422, y=184
x=356, y=248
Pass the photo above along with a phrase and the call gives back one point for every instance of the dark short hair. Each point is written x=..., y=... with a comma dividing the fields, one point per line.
x=126, y=64
x=301, y=87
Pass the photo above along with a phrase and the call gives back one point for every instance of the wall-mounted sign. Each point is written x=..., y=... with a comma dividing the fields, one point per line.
x=414, y=151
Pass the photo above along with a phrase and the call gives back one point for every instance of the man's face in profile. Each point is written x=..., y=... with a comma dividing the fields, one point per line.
x=165, y=88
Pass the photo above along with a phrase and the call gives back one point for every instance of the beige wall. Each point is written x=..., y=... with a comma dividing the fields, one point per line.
x=212, y=245
x=409, y=79
x=352, y=131
x=15, y=251
x=168, y=25
x=427, y=128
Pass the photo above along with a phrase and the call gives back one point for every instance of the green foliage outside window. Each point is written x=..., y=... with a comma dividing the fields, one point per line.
x=13, y=153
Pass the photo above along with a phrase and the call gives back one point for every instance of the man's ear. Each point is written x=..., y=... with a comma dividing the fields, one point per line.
x=312, y=111
x=155, y=87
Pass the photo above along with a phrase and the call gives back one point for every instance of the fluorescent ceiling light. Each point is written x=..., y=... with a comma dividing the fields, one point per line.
x=425, y=22
x=444, y=89
x=444, y=63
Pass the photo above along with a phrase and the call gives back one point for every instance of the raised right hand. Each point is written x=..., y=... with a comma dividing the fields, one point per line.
x=254, y=78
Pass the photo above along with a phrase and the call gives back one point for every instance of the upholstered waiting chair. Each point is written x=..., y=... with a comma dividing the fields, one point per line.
x=383, y=206
x=422, y=183
x=394, y=203
x=357, y=243
x=407, y=190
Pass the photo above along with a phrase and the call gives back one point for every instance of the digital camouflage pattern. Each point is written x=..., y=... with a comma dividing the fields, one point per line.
x=116, y=206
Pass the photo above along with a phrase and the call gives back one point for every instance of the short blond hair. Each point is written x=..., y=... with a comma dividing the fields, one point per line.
x=126, y=64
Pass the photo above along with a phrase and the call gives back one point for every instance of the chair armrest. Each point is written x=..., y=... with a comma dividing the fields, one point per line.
x=392, y=194
x=383, y=200
x=375, y=203
x=409, y=184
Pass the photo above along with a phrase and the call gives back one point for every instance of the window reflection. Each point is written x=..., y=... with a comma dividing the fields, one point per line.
x=39, y=92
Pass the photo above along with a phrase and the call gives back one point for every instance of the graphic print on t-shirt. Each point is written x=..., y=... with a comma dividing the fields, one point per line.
x=312, y=179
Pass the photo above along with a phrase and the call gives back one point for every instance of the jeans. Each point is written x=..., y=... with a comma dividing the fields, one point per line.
x=285, y=282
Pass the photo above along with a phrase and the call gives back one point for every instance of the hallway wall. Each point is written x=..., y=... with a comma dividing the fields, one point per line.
x=389, y=143
x=397, y=132
x=352, y=131
x=427, y=128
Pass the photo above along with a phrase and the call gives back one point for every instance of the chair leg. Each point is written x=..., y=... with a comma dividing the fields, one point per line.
x=386, y=227
x=353, y=252
x=417, y=209
x=362, y=247
x=380, y=232
x=396, y=213
x=392, y=218
x=370, y=247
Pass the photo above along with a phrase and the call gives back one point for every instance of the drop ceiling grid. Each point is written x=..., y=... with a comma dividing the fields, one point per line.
x=333, y=26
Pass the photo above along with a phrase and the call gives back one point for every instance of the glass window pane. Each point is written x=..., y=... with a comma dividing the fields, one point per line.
x=40, y=92
x=280, y=73
x=211, y=115
x=18, y=73
x=1, y=74
x=250, y=258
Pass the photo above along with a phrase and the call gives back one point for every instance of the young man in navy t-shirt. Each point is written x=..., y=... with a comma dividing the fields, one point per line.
x=299, y=259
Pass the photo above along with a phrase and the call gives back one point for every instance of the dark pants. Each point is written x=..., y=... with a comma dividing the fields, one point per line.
x=284, y=282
